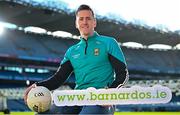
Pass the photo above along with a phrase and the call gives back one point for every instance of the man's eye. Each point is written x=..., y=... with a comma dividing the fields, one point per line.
x=81, y=19
x=88, y=18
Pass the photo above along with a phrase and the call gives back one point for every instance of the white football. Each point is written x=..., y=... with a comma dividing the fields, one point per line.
x=39, y=99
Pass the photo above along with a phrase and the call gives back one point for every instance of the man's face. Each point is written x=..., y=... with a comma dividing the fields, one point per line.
x=85, y=23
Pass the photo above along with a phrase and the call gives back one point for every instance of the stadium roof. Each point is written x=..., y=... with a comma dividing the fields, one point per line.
x=24, y=15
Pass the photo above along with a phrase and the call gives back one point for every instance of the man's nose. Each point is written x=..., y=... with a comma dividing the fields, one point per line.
x=85, y=21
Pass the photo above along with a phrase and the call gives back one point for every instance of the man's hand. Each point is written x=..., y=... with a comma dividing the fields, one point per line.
x=27, y=91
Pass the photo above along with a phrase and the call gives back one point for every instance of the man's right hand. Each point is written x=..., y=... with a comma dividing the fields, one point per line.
x=27, y=91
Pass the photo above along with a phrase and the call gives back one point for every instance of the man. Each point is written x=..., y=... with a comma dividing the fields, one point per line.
x=97, y=61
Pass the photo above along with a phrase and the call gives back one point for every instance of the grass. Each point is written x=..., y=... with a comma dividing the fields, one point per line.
x=117, y=113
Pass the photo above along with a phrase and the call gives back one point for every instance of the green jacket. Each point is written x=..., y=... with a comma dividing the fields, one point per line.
x=96, y=62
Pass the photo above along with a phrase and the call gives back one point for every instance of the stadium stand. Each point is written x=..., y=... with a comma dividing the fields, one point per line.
x=164, y=61
x=147, y=67
x=43, y=47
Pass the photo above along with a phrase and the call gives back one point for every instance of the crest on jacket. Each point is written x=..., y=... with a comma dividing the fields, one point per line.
x=96, y=51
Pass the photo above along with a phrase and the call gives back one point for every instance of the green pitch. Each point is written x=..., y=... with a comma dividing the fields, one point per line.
x=147, y=113
x=116, y=113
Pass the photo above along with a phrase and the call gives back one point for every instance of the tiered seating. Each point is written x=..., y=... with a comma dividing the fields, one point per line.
x=32, y=46
x=18, y=93
x=12, y=93
x=174, y=85
x=154, y=61
x=41, y=47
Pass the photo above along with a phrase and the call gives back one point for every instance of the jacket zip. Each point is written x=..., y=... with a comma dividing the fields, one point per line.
x=86, y=46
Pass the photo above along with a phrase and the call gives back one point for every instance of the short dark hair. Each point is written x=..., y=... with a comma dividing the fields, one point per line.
x=84, y=7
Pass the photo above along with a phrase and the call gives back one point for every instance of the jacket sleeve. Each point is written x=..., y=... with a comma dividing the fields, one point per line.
x=121, y=72
x=58, y=78
x=118, y=63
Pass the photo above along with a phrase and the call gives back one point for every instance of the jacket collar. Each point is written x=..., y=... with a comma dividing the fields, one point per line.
x=90, y=38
